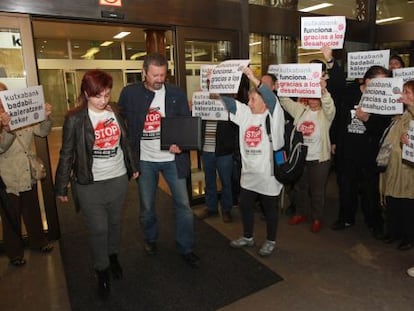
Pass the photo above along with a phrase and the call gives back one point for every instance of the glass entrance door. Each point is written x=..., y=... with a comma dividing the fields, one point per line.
x=18, y=70
x=196, y=48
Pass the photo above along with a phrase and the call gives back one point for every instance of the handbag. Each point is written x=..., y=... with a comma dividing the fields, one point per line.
x=37, y=168
x=384, y=153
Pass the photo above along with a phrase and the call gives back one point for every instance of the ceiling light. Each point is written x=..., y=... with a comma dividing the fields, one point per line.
x=90, y=53
x=122, y=34
x=106, y=43
x=255, y=43
x=316, y=7
x=390, y=19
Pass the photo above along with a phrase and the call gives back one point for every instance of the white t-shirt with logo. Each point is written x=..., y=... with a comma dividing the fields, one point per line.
x=256, y=151
x=311, y=130
x=108, y=158
x=151, y=135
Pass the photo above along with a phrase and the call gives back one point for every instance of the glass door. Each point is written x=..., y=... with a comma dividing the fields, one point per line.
x=18, y=70
x=195, y=48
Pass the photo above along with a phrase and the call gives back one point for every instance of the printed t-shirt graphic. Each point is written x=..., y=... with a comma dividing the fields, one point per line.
x=253, y=135
x=152, y=124
x=310, y=128
x=356, y=126
x=107, y=135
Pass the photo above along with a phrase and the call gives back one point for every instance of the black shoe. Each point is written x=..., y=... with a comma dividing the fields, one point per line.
x=150, y=248
x=115, y=267
x=192, y=260
x=104, y=287
x=405, y=246
x=341, y=225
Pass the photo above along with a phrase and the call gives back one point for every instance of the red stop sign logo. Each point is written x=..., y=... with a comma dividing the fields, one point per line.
x=307, y=128
x=253, y=136
x=106, y=135
x=152, y=121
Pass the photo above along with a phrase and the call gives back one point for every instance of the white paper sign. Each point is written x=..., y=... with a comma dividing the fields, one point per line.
x=299, y=80
x=408, y=150
x=405, y=74
x=25, y=106
x=226, y=76
x=383, y=96
x=359, y=62
x=204, y=71
x=274, y=69
x=317, y=32
x=208, y=109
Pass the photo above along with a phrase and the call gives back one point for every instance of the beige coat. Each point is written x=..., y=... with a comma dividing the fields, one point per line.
x=398, y=179
x=325, y=117
x=14, y=164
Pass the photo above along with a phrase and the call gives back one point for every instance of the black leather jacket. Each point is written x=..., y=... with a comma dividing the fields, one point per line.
x=76, y=152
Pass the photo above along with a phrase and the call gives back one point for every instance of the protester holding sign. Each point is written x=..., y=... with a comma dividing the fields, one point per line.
x=396, y=183
x=313, y=119
x=21, y=189
x=96, y=152
x=359, y=134
x=256, y=148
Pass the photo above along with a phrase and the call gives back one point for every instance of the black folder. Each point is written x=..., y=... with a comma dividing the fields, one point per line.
x=184, y=131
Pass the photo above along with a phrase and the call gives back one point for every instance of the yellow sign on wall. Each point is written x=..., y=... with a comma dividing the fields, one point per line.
x=111, y=2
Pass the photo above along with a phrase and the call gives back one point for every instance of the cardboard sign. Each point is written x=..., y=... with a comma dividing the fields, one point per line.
x=298, y=80
x=383, y=96
x=207, y=108
x=408, y=150
x=25, y=106
x=359, y=62
x=317, y=32
x=405, y=74
x=204, y=71
x=226, y=76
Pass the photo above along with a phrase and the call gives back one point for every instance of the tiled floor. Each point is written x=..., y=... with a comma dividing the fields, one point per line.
x=331, y=270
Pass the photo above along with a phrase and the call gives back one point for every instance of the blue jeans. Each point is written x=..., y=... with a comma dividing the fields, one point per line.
x=224, y=166
x=147, y=188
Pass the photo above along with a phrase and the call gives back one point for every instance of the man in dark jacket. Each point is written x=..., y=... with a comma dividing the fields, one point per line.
x=143, y=105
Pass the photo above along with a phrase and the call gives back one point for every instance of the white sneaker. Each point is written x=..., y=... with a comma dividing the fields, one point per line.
x=242, y=242
x=410, y=272
x=267, y=248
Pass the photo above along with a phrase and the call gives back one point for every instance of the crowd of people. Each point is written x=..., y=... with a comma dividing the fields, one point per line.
x=104, y=146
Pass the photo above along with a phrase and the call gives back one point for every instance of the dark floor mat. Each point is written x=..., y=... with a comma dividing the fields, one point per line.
x=162, y=282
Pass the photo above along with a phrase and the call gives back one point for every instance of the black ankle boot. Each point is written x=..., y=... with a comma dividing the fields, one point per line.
x=115, y=267
x=104, y=287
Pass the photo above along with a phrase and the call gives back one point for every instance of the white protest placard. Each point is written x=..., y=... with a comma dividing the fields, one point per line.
x=208, y=108
x=408, y=150
x=299, y=80
x=359, y=62
x=383, y=96
x=317, y=32
x=25, y=106
x=204, y=71
x=405, y=74
x=274, y=69
x=226, y=76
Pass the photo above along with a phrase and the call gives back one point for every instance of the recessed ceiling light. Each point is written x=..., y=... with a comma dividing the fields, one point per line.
x=122, y=34
x=255, y=43
x=106, y=43
x=316, y=7
x=390, y=19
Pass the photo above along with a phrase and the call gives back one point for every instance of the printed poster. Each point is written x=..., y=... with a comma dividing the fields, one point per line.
x=359, y=62
x=208, y=108
x=298, y=80
x=25, y=106
x=317, y=32
x=405, y=74
x=383, y=96
x=226, y=76
x=408, y=150
x=204, y=72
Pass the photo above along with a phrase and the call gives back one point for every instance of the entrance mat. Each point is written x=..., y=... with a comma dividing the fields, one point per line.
x=164, y=281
